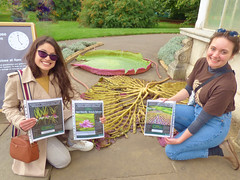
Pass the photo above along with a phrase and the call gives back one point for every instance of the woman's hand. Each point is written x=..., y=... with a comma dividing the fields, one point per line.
x=103, y=119
x=27, y=124
x=180, y=139
x=172, y=141
x=162, y=99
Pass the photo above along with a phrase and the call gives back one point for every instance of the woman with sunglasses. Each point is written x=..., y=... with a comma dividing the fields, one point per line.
x=204, y=125
x=47, y=75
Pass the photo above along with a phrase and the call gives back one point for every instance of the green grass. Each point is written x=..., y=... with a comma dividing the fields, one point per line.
x=68, y=30
x=5, y=16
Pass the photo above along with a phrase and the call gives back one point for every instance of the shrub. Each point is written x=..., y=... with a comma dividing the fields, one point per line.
x=45, y=10
x=77, y=46
x=17, y=10
x=179, y=9
x=117, y=13
x=167, y=52
x=29, y=5
x=4, y=5
x=62, y=45
x=93, y=12
x=68, y=50
x=67, y=10
x=88, y=43
x=190, y=8
x=54, y=9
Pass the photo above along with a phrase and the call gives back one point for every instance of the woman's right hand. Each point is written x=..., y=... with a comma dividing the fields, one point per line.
x=162, y=99
x=27, y=124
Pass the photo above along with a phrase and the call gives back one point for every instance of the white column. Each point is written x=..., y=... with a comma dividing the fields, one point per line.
x=202, y=14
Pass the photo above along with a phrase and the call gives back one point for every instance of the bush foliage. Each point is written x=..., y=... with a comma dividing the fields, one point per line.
x=30, y=5
x=167, y=52
x=117, y=14
x=67, y=10
x=190, y=9
x=68, y=50
x=179, y=9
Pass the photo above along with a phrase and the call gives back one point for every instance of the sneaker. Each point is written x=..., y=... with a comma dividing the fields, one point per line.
x=81, y=146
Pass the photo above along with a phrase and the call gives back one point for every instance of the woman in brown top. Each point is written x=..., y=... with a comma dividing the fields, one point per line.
x=204, y=125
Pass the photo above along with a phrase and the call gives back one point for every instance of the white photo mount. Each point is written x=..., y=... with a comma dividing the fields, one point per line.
x=159, y=120
x=86, y=116
x=49, y=115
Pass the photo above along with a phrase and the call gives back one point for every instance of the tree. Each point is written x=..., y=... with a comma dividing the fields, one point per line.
x=179, y=9
x=190, y=9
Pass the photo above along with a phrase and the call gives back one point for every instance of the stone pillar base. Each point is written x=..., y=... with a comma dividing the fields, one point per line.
x=177, y=69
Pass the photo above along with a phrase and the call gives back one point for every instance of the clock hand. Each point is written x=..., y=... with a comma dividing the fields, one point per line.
x=19, y=40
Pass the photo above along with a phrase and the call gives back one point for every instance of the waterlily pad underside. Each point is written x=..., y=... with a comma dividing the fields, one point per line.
x=111, y=62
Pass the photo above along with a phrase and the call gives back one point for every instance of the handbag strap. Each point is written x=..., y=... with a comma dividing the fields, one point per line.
x=211, y=78
x=26, y=96
x=25, y=87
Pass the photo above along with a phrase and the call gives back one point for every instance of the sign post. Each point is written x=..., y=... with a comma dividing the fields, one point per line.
x=15, y=40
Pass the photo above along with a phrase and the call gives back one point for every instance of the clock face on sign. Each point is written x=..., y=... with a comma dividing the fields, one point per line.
x=18, y=40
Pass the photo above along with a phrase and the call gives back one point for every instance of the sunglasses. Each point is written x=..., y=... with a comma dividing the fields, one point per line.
x=231, y=33
x=43, y=54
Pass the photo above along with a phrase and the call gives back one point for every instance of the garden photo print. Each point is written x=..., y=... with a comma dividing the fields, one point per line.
x=49, y=115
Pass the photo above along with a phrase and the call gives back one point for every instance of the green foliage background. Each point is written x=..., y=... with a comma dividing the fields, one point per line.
x=117, y=13
x=67, y=10
x=29, y=5
x=179, y=9
x=112, y=13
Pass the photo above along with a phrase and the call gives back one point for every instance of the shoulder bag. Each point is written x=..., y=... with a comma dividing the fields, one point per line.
x=20, y=147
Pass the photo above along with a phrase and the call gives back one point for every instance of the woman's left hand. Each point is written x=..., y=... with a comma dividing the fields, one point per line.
x=103, y=119
x=172, y=140
x=180, y=139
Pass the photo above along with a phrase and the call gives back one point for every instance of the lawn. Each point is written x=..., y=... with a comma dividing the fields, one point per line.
x=68, y=30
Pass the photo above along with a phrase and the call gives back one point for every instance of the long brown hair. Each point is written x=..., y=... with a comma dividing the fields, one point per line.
x=59, y=71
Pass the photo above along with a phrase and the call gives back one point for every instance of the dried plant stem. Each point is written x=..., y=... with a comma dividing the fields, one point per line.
x=125, y=101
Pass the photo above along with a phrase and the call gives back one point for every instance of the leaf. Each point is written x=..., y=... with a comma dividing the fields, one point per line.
x=110, y=62
x=125, y=102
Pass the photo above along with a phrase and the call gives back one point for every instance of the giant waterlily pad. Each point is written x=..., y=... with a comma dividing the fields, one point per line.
x=125, y=103
x=111, y=62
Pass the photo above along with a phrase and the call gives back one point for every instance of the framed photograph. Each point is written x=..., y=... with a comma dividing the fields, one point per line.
x=86, y=116
x=159, y=119
x=49, y=115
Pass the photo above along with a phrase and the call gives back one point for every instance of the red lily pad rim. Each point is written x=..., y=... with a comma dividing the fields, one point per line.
x=112, y=72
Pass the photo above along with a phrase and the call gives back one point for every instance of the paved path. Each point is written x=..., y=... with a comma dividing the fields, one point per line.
x=135, y=158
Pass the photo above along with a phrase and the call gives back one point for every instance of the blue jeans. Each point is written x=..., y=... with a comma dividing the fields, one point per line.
x=210, y=135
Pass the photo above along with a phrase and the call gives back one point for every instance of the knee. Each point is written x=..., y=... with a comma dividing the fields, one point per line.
x=57, y=154
x=170, y=152
x=62, y=162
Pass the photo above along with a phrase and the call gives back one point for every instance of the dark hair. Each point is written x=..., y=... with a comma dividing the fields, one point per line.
x=228, y=35
x=59, y=71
